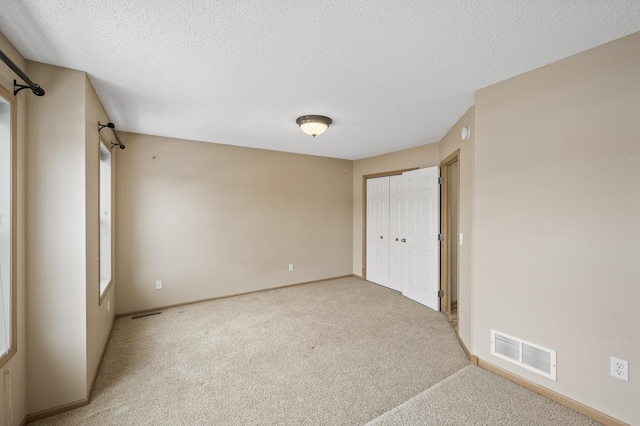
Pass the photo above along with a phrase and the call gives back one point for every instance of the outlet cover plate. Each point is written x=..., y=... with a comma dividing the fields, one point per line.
x=620, y=369
x=159, y=285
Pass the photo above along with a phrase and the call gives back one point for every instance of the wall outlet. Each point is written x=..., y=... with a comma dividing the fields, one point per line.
x=461, y=239
x=620, y=369
x=290, y=267
x=159, y=285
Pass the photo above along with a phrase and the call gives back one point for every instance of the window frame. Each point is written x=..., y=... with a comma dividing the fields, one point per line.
x=12, y=349
x=102, y=294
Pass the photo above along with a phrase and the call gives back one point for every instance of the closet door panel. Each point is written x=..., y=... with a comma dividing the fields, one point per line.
x=378, y=230
x=421, y=246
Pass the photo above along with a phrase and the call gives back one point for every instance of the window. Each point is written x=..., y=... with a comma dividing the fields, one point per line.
x=8, y=335
x=105, y=219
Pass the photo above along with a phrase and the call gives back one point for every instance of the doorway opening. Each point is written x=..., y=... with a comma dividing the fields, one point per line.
x=450, y=223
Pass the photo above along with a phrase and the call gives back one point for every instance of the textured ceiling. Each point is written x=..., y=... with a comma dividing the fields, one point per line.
x=391, y=74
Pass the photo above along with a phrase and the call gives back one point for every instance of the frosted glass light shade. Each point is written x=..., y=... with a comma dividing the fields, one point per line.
x=314, y=129
x=313, y=125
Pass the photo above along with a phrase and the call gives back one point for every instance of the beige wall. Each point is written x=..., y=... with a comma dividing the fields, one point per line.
x=67, y=328
x=100, y=317
x=215, y=220
x=422, y=156
x=449, y=144
x=557, y=221
x=18, y=363
x=56, y=296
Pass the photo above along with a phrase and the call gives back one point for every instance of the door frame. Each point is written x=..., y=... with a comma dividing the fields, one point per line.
x=445, y=224
x=364, y=211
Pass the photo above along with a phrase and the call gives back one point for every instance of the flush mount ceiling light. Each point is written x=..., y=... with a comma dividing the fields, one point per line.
x=314, y=125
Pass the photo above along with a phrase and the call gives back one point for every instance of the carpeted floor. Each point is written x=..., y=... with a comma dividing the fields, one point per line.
x=341, y=352
x=474, y=396
x=338, y=352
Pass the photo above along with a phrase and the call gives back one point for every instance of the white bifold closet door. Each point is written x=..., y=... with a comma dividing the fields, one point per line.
x=421, y=253
x=378, y=230
x=403, y=249
x=397, y=274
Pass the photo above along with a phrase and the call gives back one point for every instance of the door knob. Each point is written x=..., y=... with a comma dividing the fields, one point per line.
x=404, y=240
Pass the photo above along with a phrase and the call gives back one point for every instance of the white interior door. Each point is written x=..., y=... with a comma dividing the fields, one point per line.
x=396, y=247
x=420, y=223
x=378, y=230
